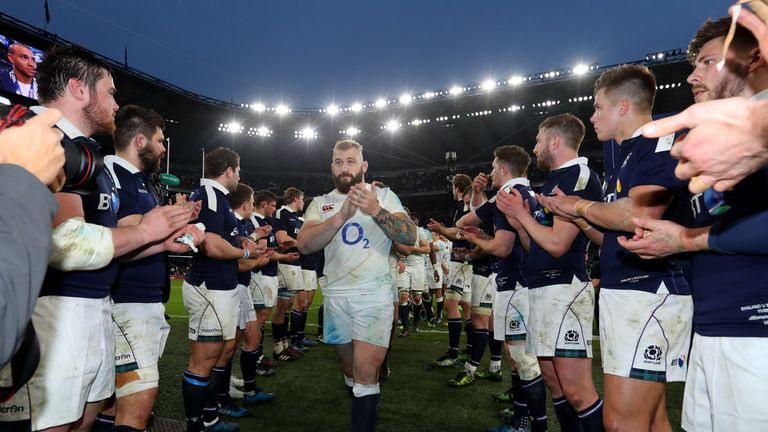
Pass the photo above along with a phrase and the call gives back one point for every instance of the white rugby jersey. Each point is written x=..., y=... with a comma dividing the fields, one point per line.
x=356, y=258
x=417, y=259
x=442, y=254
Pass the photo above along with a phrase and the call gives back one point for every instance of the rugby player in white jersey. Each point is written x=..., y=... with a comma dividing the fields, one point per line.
x=411, y=283
x=356, y=224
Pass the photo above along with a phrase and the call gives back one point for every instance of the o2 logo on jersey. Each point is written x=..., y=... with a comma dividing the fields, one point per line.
x=653, y=353
x=571, y=336
x=352, y=234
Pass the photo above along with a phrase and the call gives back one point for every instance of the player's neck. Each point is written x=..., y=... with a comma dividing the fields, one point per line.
x=73, y=114
x=631, y=125
x=562, y=157
x=131, y=158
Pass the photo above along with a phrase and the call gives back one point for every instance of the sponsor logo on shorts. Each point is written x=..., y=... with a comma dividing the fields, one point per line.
x=327, y=208
x=193, y=331
x=487, y=296
x=653, y=354
x=211, y=330
x=13, y=409
x=122, y=357
x=571, y=337
x=680, y=361
x=514, y=325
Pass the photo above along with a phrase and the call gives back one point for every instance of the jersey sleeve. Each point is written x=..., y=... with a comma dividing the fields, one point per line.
x=129, y=200
x=391, y=203
x=485, y=211
x=583, y=183
x=313, y=211
x=211, y=219
x=654, y=166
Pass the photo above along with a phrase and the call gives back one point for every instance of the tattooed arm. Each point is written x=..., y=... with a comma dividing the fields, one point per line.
x=398, y=226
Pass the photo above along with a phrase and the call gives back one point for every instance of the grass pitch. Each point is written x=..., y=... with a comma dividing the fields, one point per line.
x=310, y=393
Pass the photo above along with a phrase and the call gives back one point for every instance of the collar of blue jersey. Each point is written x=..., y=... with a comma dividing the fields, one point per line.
x=576, y=161
x=257, y=215
x=109, y=160
x=514, y=182
x=761, y=95
x=65, y=125
x=214, y=184
x=238, y=216
x=287, y=208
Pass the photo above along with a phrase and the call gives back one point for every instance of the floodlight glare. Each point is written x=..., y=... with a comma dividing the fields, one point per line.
x=282, y=109
x=393, y=125
x=234, y=126
x=580, y=69
x=380, y=103
x=332, y=110
x=258, y=107
x=455, y=90
x=405, y=99
x=356, y=107
x=488, y=85
x=515, y=80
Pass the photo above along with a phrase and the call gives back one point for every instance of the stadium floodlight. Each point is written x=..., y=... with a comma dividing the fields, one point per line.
x=356, y=107
x=258, y=107
x=282, y=109
x=488, y=85
x=405, y=99
x=234, y=127
x=352, y=131
x=332, y=110
x=393, y=125
x=308, y=133
x=428, y=95
x=580, y=69
x=455, y=90
x=515, y=80
x=263, y=131
x=380, y=103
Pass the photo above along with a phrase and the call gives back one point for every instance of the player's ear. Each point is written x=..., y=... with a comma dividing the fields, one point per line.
x=365, y=166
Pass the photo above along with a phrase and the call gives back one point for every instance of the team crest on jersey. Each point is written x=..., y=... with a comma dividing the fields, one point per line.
x=653, y=354
x=327, y=208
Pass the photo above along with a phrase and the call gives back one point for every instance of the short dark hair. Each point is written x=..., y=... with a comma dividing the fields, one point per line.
x=415, y=215
x=461, y=182
x=514, y=157
x=241, y=195
x=63, y=63
x=568, y=126
x=705, y=33
x=217, y=161
x=291, y=194
x=132, y=120
x=633, y=82
x=263, y=196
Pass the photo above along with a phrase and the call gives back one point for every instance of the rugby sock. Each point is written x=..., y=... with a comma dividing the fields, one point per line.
x=416, y=313
x=494, y=346
x=439, y=307
x=248, y=361
x=215, y=381
x=428, y=308
x=519, y=403
x=591, y=419
x=320, y=313
x=194, y=392
x=365, y=407
x=535, y=394
x=566, y=415
x=454, y=335
x=222, y=395
x=404, y=309
x=103, y=423
x=260, y=348
x=295, y=325
x=478, y=348
x=469, y=330
x=303, y=328
x=277, y=335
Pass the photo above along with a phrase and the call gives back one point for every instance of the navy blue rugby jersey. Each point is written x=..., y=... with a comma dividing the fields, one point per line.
x=645, y=161
x=573, y=178
x=243, y=228
x=730, y=292
x=99, y=207
x=219, y=218
x=143, y=280
x=289, y=221
x=460, y=210
x=271, y=268
x=511, y=269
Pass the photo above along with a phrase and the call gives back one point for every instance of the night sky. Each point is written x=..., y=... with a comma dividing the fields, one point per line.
x=314, y=53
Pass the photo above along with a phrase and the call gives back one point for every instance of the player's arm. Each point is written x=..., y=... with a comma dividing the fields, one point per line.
x=397, y=226
x=422, y=248
x=594, y=235
x=92, y=239
x=499, y=245
x=214, y=246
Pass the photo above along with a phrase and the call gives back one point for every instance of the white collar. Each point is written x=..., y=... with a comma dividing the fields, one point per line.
x=214, y=184
x=238, y=216
x=122, y=162
x=287, y=208
x=514, y=182
x=761, y=95
x=576, y=161
x=65, y=125
x=258, y=215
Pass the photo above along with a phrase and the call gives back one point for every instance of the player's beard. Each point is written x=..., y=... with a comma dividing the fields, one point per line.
x=150, y=162
x=544, y=160
x=101, y=121
x=344, y=186
x=730, y=85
